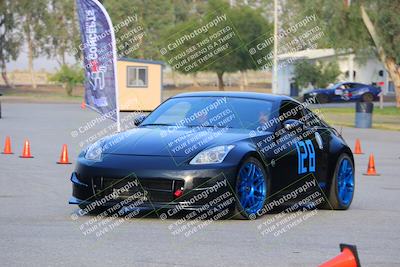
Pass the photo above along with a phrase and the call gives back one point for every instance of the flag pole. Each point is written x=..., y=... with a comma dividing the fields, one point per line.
x=114, y=50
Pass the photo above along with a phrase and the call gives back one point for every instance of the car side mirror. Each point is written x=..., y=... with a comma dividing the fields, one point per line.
x=139, y=119
x=292, y=124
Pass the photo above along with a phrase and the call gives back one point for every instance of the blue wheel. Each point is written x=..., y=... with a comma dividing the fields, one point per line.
x=251, y=189
x=342, y=188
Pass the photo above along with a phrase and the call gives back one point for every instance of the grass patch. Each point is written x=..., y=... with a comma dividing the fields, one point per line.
x=391, y=111
x=387, y=118
x=41, y=94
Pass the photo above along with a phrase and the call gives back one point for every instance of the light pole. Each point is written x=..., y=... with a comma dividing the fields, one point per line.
x=275, y=59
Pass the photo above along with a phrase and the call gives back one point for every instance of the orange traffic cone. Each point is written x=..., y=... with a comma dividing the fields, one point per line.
x=64, y=156
x=26, y=153
x=83, y=105
x=7, y=147
x=348, y=258
x=357, y=149
x=371, y=171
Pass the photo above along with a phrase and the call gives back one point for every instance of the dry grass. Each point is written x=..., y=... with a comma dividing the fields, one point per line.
x=387, y=118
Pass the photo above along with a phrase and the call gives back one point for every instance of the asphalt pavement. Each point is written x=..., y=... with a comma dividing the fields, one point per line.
x=39, y=228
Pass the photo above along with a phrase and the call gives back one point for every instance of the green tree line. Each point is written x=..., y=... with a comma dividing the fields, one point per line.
x=49, y=28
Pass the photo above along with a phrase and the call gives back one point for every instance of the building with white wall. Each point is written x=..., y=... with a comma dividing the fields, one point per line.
x=369, y=70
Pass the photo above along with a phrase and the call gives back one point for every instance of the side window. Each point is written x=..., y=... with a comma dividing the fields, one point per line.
x=352, y=85
x=137, y=77
x=290, y=110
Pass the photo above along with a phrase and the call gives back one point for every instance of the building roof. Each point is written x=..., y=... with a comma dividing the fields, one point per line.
x=310, y=54
x=254, y=95
x=137, y=60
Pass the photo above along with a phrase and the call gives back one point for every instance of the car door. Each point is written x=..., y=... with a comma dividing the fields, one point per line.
x=321, y=136
x=353, y=91
x=337, y=94
x=310, y=148
x=295, y=152
x=307, y=149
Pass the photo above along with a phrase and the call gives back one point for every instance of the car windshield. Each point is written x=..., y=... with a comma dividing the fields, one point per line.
x=228, y=112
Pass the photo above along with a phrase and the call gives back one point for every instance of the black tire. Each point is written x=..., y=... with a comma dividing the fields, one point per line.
x=333, y=196
x=239, y=212
x=367, y=97
x=322, y=99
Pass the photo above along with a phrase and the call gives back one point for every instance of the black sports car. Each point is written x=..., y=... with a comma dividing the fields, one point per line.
x=197, y=148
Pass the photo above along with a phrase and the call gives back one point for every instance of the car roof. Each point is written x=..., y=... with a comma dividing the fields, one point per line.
x=253, y=95
x=352, y=83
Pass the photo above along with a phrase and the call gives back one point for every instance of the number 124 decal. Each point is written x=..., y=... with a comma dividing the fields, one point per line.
x=306, y=156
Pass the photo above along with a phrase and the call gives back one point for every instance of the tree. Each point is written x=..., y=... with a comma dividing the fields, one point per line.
x=329, y=73
x=305, y=73
x=62, y=28
x=69, y=77
x=247, y=24
x=315, y=73
x=10, y=40
x=35, y=20
x=363, y=27
x=152, y=16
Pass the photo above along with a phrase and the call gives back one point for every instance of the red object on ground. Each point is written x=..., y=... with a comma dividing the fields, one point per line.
x=7, y=147
x=26, y=153
x=357, y=149
x=371, y=171
x=64, y=156
x=348, y=258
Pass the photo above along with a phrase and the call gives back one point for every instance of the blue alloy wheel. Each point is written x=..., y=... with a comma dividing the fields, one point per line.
x=345, y=182
x=251, y=188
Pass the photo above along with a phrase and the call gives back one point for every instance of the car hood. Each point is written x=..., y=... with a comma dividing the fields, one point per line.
x=159, y=141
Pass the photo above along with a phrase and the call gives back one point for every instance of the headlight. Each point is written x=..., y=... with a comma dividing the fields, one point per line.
x=212, y=155
x=95, y=151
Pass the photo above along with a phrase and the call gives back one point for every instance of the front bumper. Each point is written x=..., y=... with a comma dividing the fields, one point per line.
x=154, y=181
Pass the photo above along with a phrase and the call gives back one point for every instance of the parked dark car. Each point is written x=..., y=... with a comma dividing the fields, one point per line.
x=344, y=92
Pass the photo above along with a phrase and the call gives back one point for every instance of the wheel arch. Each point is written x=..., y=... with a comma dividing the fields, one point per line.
x=247, y=150
x=255, y=154
x=344, y=149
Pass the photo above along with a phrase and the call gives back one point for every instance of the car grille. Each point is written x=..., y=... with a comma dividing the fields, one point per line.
x=156, y=189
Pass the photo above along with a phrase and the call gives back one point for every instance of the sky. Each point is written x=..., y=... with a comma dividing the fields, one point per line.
x=40, y=63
